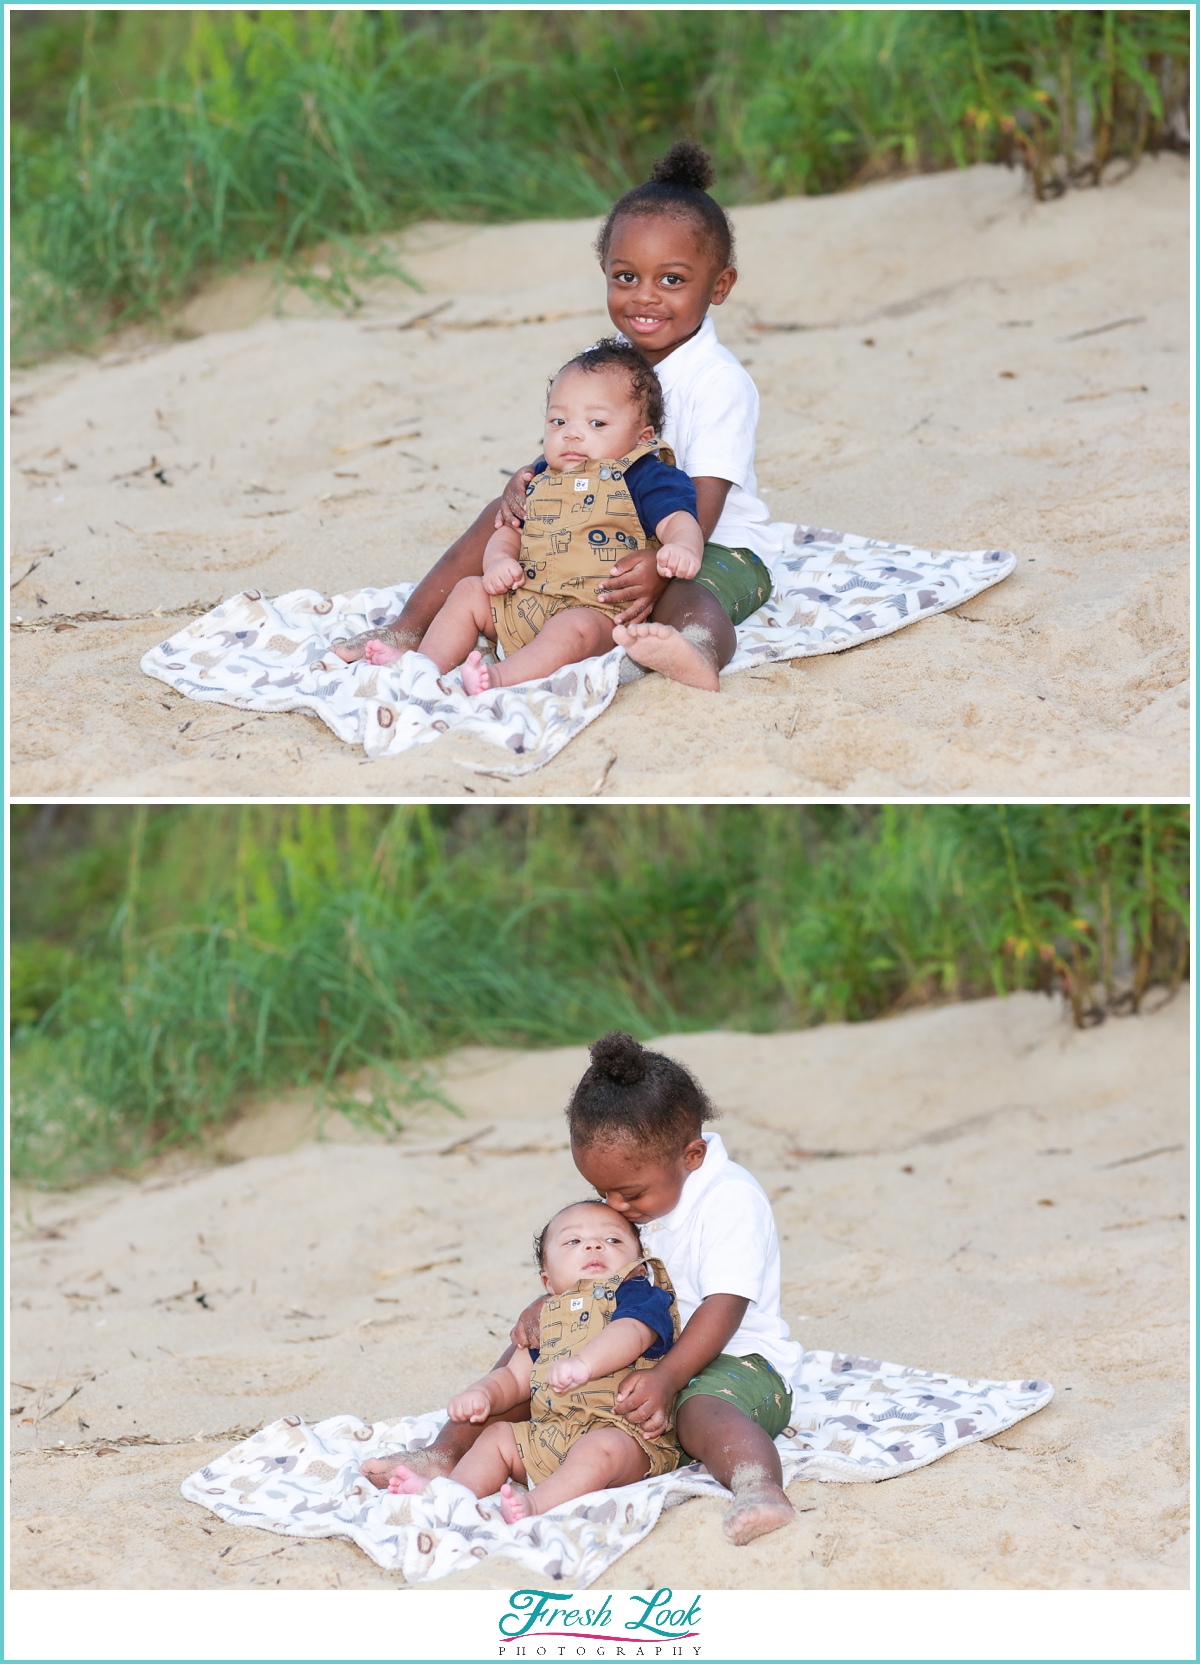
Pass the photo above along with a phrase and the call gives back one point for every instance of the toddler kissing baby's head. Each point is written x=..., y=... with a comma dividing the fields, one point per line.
x=586, y=1239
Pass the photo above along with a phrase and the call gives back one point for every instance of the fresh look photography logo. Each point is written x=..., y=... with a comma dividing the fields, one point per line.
x=537, y=1623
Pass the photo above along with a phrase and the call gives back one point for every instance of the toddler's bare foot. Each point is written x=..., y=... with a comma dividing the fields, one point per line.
x=477, y=676
x=514, y=1505
x=759, y=1506
x=662, y=648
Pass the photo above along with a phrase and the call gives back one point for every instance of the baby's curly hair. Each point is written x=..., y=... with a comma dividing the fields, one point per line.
x=631, y=1093
x=539, y=1241
x=644, y=385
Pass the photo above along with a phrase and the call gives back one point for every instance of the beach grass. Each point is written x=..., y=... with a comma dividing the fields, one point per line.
x=152, y=150
x=169, y=962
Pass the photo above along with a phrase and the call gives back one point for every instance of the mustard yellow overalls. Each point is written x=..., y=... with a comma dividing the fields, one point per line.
x=577, y=526
x=568, y=1322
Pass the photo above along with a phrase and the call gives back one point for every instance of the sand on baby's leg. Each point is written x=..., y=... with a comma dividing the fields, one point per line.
x=742, y=1456
x=569, y=637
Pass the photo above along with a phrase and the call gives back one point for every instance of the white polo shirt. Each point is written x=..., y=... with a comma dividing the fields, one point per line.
x=712, y=417
x=720, y=1238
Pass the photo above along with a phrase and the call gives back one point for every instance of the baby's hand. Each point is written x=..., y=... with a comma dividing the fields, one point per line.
x=675, y=560
x=472, y=1405
x=567, y=1373
x=502, y=575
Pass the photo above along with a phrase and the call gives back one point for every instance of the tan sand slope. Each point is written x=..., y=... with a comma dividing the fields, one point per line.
x=962, y=368
x=1008, y=1200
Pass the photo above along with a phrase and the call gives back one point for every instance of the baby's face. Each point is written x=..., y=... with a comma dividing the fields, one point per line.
x=588, y=1240
x=591, y=414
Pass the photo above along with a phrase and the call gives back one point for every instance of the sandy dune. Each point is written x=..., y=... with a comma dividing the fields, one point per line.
x=962, y=368
x=1008, y=1199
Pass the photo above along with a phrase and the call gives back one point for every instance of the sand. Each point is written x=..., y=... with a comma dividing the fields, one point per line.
x=1009, y=1200
x=963, y=368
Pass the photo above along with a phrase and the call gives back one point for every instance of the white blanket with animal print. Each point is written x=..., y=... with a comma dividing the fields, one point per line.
x=833, y=590
x=853, y=1419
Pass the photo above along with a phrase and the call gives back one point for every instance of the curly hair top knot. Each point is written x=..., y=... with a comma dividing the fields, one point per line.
x=684, y=164
x=633, y=1094
x=620, y=1058
x=677, y=189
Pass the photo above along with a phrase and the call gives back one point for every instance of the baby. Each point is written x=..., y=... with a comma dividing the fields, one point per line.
x=603, y=490
x=603, y=1316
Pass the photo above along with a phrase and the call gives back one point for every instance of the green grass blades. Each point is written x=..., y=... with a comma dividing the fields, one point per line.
x=168, y=962
x=152, y=149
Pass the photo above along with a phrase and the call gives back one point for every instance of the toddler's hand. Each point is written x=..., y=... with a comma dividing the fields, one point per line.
x=469, y=1406
x=567, y=1373
x=512, y=504
x=676, y=561
x=645, y=1399
x=502, y=575
x=526, y=1331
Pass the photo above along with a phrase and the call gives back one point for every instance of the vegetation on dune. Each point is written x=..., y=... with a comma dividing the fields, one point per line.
x=151, y=149
x=168, y=961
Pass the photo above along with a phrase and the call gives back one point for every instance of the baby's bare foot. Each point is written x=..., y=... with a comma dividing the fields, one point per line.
x=514, y=1505
x=476, y=676
x=356, y=647
x=431, y=1463
x=404, y=1482
x=661, y=648
x=759, y=1506
x=381, y=652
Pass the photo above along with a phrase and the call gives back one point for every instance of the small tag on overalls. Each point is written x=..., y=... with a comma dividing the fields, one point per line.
x=581, y=485
x=576, y=1305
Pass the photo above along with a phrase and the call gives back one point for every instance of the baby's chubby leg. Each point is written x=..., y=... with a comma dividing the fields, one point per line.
x=602, y=1458
x=466, y=615
x=493, y=1459
x=575, y=634
x=463, y=558
x=439, y=1459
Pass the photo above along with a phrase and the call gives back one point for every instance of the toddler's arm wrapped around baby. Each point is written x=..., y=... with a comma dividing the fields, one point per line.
x=647, y=1397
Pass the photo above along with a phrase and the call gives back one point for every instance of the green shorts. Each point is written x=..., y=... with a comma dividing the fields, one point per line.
x=750, y=1383
x=738, y=579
